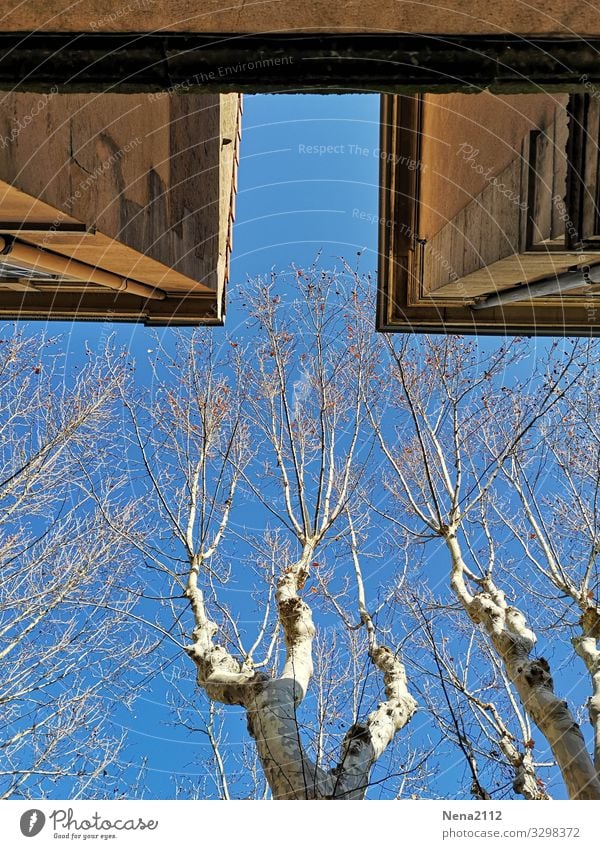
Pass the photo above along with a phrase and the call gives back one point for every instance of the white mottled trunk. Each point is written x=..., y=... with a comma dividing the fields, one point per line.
x=271, y=704
x=273, y=724
x=365, y=743
x=272, y=709
x=586, y=647
x=525, y=781
x=290, y=773
x=514, y=641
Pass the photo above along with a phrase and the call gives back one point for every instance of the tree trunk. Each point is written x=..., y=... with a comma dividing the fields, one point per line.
x=514, y=641
x=291, y=774
x=586, y=647
x=272, y=703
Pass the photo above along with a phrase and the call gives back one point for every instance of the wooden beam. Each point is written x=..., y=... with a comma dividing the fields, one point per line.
x=525, y=319
x=107, y=306
x=142, y=62
x=27, y=256
x=16, y=227
x=19, y=284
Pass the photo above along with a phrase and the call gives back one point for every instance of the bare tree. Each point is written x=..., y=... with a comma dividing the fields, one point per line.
x=470, y=699
x=458, y=430
x=284, y=423
x=315, y=528
x=65, y=657
x=556, y=479
x=307, y=475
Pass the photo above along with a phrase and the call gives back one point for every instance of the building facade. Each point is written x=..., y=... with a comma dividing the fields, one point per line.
x=489, y=213
x=117, y=195
x=117, y=206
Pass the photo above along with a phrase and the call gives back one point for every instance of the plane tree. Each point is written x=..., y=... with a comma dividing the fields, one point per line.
x=351, y=542
x=66, y=644
x=492, y=464
x=263, y=445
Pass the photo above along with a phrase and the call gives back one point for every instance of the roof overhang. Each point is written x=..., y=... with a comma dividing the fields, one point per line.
x=294, y=61
x=473, y=303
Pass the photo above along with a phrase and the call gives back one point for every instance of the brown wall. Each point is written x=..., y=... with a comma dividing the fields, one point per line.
x=491, y=124
x=141, y=169
x=537, y=17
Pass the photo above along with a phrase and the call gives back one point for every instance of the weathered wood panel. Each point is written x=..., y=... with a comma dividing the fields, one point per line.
x=548, y=181
x=466, y=257
x=38, y=219
x=93, y=303
x=467, y=139
x=559, y=186
x=481, y=250
x=18, y=207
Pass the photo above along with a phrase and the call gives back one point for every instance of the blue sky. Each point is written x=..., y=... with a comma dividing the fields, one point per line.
x=308, y=183
x=291, y=203
x=307, y=164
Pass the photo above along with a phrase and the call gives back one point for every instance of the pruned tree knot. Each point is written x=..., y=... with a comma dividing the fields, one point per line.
x=205, y=632
x=590, y=622
x=293, y=606
x=296, y=615
x=483, y=609
x=486, y=602
x=356, y=736
x=537, y=673
x=382, y=657
x=302, y=577
x=357, y=731
x=296, y=575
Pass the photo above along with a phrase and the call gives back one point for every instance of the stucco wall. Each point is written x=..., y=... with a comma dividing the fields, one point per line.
x=537, y=17
x=462, y=132
x=144, y=170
